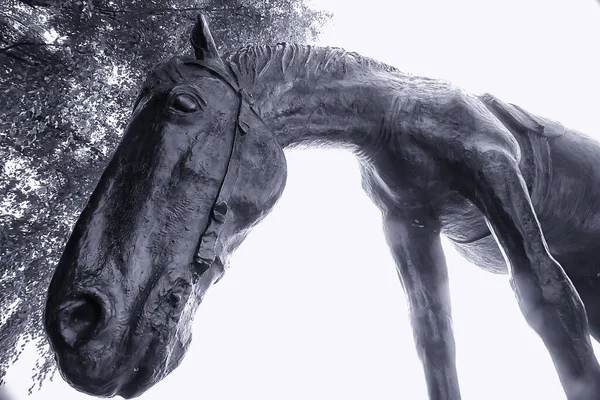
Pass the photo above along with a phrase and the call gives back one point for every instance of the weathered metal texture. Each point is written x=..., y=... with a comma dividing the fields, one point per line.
x=201, y=162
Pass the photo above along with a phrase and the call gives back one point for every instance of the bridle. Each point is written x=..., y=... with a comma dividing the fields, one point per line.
x=204, y=257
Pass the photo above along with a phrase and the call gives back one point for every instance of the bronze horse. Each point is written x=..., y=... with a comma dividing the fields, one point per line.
x=201, y=162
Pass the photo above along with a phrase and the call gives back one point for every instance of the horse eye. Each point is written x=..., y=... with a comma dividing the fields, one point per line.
x=185, y=102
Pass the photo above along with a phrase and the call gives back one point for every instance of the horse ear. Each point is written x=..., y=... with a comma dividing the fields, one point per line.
x=202, y=41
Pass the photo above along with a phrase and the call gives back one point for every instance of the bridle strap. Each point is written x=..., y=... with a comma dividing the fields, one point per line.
x=233, y=86
x=204, y=257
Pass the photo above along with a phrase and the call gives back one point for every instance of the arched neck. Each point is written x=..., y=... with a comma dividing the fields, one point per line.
x=319, y=96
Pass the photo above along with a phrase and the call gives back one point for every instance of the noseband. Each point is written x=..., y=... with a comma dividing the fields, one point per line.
x=205, y=256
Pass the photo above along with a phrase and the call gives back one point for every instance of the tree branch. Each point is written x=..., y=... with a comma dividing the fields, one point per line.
x=156, y=11
x=7, y=48
x=36, y=3
x=21, y=59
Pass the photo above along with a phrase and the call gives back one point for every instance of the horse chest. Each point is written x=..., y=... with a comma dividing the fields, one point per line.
x=403, y=181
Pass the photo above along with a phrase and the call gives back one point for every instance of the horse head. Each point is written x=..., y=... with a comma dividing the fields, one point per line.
x=195, y=170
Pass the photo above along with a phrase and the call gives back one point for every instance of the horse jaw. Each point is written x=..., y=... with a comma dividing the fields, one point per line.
x=159, y=353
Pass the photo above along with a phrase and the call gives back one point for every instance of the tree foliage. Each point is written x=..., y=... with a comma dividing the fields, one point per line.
x=68, y=76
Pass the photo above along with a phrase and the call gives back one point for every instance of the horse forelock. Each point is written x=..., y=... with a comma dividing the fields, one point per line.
x=165, y=72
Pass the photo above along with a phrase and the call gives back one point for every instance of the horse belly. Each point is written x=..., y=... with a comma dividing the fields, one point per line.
x=465, y=228
x=484, y=253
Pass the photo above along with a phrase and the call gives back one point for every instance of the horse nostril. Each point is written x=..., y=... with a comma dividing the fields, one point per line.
x=79, y=319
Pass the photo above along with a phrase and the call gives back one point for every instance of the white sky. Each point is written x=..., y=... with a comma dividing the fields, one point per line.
x=311, y=306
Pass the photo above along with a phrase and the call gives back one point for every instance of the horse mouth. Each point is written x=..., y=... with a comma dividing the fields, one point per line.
x=139, y=381
x=140, y=376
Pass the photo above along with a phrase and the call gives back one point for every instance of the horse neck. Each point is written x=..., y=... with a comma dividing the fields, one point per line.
x=318, y=96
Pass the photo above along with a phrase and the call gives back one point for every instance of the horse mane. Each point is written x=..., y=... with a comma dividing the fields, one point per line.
x=254, y=61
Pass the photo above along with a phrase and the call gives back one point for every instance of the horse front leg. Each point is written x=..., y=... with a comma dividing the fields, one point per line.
x=421, y=265
x=489, y=176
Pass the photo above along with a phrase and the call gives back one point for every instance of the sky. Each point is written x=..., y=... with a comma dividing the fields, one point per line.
x=311, y=306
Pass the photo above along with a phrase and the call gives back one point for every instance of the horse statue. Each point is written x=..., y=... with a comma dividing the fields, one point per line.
x=201, y=162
